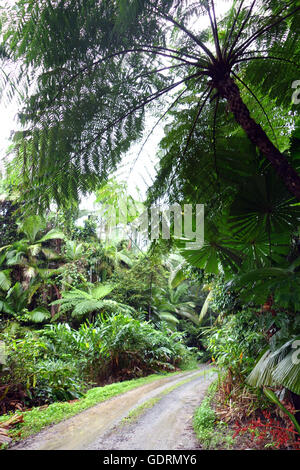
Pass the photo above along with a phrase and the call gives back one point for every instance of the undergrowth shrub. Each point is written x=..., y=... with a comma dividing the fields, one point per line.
x=32, y=377
x=118, y=347
x=209, y=430
x=236, y=342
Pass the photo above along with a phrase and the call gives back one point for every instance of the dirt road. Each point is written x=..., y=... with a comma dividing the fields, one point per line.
x=164, y=420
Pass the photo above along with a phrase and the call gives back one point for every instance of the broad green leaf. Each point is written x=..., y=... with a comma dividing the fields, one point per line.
x=52, y=235
x=5, y=281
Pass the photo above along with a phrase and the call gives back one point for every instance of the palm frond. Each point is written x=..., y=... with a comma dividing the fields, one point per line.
x=279, y=367
x=5, y=281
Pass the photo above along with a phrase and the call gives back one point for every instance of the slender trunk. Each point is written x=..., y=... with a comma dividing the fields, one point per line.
x=230, y=91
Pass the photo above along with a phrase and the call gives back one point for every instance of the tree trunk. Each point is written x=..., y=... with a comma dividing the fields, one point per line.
x=230, y=91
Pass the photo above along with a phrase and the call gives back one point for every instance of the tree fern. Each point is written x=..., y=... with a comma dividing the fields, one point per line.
x=80, y=302
x=38, y=315
x=95, y=79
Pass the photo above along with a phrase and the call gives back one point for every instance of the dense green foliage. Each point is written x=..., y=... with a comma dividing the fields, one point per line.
x=58, y=362
x=204, y=425
x=8, y=226
x=70, y=319
x=79, y=309
x=94, y=80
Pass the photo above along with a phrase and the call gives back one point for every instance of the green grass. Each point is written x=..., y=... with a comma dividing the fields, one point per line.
x=36, y=419
x=134, y=414
x=211, y=433
x=204, y=421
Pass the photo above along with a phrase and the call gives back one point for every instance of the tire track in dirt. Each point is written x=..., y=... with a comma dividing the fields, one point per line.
x=166, y=426
x=100, y=427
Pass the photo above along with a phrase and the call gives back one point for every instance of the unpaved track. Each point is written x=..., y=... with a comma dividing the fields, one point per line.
x=167, y=425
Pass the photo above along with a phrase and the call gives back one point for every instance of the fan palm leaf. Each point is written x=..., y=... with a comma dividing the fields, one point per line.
x=278, y=367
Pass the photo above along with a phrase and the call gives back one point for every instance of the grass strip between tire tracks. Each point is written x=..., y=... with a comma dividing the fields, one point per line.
x=38, y=418
x=134, y=414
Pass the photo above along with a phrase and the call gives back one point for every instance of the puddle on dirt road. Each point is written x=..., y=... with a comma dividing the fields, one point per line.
x=81, y=430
